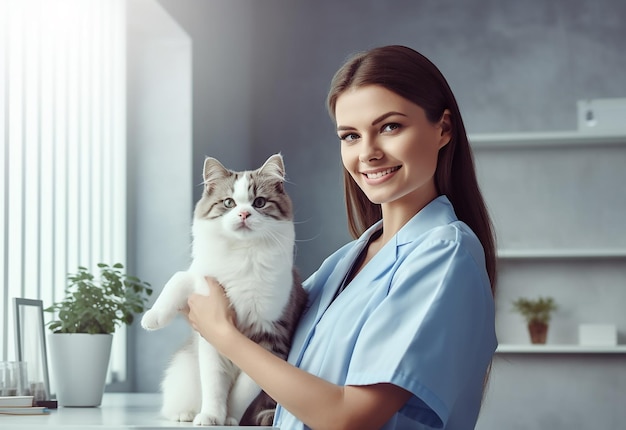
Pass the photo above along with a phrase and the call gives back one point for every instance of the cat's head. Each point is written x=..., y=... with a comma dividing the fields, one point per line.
x=245, y=204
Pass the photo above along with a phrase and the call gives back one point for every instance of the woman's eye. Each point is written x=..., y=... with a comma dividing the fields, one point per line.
x=229, y=203
x=349, y=137
x=390, y=127
x=259, y=202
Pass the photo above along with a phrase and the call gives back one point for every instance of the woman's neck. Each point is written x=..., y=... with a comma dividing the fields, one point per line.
x=396, y=214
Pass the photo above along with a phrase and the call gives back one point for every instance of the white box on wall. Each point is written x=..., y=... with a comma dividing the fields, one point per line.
x=597, y=334
x=600, y=115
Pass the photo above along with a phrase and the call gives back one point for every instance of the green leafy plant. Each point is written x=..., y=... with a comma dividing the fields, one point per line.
x=535, y=311
x=98, y=305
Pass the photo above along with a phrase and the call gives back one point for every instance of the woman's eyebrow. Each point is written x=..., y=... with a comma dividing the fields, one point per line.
x=385, y=116
x=376, y=121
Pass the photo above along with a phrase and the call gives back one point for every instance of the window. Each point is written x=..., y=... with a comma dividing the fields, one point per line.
x=63, y=157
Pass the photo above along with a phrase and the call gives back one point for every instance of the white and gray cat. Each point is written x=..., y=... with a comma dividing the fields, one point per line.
x=243, y=235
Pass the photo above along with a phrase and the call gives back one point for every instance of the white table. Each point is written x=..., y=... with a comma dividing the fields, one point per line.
x=118, y=411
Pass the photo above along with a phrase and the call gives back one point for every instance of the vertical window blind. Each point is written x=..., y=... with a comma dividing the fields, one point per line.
x=63, y=158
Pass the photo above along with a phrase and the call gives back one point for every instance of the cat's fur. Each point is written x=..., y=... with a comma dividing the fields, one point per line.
x=243, y=235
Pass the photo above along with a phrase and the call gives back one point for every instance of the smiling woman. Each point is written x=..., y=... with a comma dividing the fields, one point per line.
x=426, y=91
x=390, y=148
x=62, y=124
x=399, y=329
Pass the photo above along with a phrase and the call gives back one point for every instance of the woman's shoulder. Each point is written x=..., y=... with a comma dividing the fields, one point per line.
x=456, y=232
x=455, y=238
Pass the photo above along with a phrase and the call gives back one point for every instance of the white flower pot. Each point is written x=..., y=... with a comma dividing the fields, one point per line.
x=79, y=364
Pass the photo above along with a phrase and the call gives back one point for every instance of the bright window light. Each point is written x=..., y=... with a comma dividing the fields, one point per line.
x=63, y=156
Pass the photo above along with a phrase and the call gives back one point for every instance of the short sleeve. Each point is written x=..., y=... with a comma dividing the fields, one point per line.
x=432, y=332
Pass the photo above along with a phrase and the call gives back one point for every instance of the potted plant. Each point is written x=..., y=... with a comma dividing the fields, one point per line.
x=82, y=332
x=537, y=314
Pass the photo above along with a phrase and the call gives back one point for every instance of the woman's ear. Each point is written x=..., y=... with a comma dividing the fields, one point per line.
x=445, y=125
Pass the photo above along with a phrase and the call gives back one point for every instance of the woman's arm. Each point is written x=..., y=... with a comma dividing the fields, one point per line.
x=316, y=402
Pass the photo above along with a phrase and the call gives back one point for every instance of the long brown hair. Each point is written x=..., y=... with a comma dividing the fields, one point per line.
x=415, y=78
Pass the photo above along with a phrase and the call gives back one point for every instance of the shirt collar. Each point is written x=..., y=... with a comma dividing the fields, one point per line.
x=436, y=213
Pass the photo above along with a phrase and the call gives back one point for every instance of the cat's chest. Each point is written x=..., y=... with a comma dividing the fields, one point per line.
x=237, y=263
x=258, y=279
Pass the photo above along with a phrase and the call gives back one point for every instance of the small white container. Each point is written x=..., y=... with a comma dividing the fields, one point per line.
x=599, y=115
x=597, y=334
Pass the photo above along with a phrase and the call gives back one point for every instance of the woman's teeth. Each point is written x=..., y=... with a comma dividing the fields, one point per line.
x=381, y=173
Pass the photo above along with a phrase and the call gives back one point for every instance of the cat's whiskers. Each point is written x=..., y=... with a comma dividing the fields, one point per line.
x=275, y=238
x=308, y=240
x=301, y=222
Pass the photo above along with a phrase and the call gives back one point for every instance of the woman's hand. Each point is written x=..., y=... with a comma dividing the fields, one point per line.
x=212, y=316
x=368, y=406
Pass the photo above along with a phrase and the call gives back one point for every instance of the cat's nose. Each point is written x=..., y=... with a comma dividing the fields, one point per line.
x=244, y=214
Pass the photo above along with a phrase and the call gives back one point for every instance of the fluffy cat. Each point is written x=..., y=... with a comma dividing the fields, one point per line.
x=243, y=235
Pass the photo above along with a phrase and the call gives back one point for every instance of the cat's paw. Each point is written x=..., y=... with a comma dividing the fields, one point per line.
x=265, y=418
x=207, y=420
x=155, y=319
x=184, y=417
x=230, y=421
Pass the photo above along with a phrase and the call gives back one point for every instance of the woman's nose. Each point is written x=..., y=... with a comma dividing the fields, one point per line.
x=370, y=151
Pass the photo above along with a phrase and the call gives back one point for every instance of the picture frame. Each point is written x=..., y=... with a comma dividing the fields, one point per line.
x=30, y=345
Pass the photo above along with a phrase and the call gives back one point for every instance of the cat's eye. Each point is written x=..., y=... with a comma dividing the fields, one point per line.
x=259, y=202
x=229, y=203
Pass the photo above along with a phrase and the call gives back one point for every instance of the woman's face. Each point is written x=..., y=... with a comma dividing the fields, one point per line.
x=388, y=145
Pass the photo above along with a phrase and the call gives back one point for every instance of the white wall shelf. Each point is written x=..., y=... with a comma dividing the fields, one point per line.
x=557, y=199
x=547, y=139
x=561, y=254
x=559, y=349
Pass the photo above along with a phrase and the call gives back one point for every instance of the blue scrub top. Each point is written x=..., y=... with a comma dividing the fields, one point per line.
x=419, y=315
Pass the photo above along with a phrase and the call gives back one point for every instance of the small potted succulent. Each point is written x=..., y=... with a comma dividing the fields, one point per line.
x=537, y=313
x=82, y=329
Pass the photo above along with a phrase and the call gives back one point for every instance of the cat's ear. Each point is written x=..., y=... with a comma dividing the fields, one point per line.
x=213, y=171
x=274, y=166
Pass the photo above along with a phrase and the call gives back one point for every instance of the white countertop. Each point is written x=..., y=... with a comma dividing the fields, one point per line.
x=118, y=411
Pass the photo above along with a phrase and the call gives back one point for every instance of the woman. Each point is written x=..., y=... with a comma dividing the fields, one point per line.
x=399, y=329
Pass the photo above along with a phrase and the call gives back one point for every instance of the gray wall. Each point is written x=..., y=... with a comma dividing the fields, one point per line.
x=262, y=69
x=260, y=75
x=160, y=185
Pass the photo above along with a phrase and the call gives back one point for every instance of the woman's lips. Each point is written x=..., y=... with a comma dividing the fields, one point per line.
x=380, y=173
